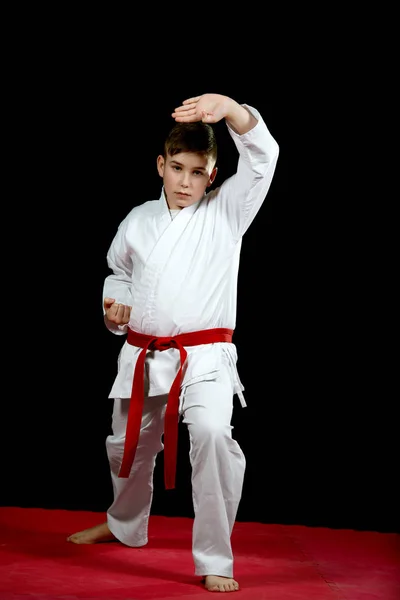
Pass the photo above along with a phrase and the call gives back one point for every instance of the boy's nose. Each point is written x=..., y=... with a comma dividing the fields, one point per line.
x=185, y=180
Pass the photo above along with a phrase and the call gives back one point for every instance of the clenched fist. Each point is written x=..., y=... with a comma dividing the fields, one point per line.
x=117, y=313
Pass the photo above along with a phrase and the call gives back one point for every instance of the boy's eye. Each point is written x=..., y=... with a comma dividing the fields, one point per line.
x=178, y=168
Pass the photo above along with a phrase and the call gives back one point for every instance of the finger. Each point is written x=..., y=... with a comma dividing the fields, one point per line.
x=188, y=116
x=187, y=119
x=207, y=117
x=127, y=314
x=113, y=310
x=185, y=108
x=189, y=100
x=120, y=311
x=116, y=313
x=108, y=302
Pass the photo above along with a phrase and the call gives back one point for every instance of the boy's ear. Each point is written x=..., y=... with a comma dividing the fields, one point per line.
x=212, y=176
x=160, y=165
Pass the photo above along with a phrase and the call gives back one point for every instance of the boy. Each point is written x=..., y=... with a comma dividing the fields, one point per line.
x=172, y=290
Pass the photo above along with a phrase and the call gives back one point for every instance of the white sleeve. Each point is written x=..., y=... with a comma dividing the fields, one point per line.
x=118, y=284
x=242, y=194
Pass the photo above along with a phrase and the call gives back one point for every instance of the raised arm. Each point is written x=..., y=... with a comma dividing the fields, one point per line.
x=241, y=195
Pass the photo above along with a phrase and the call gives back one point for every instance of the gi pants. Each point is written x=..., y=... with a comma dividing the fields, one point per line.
x=217, y=462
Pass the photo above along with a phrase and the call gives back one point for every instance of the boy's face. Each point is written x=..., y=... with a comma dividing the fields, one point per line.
x=186, y=177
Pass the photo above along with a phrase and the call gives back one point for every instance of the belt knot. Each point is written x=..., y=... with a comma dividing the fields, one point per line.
x=163, y=343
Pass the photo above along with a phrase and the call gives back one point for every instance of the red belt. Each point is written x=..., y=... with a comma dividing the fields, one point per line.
x=151, y=342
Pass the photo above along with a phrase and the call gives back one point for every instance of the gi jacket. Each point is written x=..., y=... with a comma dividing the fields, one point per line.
x=181, y=275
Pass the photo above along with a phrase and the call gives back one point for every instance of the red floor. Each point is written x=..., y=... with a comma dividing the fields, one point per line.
x=273, y=562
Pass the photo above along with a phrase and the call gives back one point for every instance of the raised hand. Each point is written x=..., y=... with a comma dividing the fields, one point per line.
x=208, y=108
x=117, y=313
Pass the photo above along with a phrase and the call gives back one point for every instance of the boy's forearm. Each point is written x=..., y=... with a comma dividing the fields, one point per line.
x=239, y=118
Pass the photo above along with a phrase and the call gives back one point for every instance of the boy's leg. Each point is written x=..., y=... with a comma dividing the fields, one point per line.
x=128, y=515
x=218, y=467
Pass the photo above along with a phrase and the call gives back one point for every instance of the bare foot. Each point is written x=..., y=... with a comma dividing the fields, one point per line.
x=94, y=535
x=216, y=583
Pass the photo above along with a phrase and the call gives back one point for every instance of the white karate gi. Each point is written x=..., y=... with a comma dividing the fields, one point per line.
x=180, y=276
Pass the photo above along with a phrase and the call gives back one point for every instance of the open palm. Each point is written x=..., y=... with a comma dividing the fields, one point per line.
x=209, y=108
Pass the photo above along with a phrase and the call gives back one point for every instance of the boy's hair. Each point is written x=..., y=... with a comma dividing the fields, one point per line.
x=195, y=137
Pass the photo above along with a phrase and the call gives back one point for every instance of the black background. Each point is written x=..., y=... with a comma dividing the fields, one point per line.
x=319, y=429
